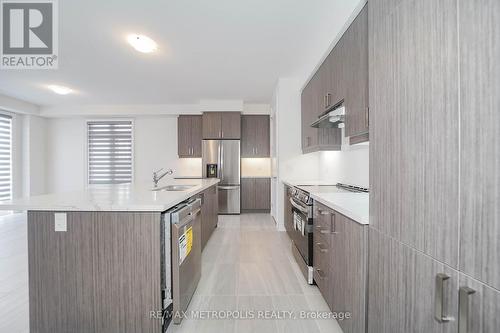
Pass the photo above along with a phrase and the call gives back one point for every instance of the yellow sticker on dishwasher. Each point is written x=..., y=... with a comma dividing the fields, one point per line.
x=185, y=244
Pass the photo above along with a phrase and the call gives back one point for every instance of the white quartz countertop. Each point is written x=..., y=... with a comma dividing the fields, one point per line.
x=355, y=206
x=127, y=197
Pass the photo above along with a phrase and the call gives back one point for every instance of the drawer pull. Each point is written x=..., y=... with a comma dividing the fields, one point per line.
x=333, y=224
x=321, y=274
x=323, y=212
x=321, y=248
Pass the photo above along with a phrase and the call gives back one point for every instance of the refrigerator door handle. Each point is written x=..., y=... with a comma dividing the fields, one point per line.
x=221, y=161
x=219, y=167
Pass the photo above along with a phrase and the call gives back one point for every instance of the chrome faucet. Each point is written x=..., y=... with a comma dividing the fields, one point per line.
x=156, y=177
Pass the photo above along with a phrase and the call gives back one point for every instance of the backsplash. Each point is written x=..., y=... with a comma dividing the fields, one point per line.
x=349, y=166
x=256, y=167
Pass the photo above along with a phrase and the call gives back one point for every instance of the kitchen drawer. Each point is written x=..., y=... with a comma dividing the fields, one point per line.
x=321, y=253
x=321, y=264
x=321, y=277
x=324, y=219
x=319, y=237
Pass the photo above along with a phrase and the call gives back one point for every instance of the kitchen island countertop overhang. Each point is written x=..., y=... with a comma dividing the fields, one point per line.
x=118, y=198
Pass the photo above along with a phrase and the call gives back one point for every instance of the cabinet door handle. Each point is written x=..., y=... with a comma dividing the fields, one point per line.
x=328, y=100
x=439, y=311
x=463, y=308
x=367, y=117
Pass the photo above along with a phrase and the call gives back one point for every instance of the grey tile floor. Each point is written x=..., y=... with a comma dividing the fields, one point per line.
x=247, y=269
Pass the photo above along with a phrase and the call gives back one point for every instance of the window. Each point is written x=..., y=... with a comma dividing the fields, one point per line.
x=110, y=149
x=5, y=157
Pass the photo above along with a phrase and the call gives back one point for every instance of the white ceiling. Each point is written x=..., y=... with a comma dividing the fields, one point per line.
x=219, y=49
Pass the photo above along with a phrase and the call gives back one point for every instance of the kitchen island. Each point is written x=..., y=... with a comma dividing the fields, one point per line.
x=95, y=255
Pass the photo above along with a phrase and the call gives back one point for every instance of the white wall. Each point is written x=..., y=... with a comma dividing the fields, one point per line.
x=351, y=167
x=34, y=160
x=289, y=161
x=65, y=154
x=155, y=147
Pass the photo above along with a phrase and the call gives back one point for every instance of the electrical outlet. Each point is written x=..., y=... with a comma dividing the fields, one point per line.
x=60, y=222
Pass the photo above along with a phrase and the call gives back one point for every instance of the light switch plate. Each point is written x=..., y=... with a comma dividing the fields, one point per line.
x=60, y=222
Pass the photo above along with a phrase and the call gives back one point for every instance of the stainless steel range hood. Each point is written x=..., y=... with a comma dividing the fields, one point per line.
x=332, y=119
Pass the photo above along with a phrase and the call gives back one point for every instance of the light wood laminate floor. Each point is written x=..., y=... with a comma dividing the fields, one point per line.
x=247, y=269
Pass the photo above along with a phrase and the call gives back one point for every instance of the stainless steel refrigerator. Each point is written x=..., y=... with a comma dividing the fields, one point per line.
x=221, y=159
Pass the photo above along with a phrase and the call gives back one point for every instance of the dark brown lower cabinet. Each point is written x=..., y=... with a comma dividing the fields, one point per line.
x=209, y=214
x=103, y=273
x=340, y=266
x=256, y=194
x=409, y=292
x=404, y=292
x=480, y=306
x=82, y=280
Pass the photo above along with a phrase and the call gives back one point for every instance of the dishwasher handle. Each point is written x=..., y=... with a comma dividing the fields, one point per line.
x=185, y=221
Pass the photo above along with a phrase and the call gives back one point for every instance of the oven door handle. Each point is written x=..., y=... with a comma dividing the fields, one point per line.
x=300, y=208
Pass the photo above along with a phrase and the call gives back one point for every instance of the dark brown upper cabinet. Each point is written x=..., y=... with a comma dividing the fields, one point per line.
x=314, y=102
x=309, y=113
x=189, y=136
x=356, y=65
x=221, y=125
x=341, y=79
x=255, y=138
x=334, y=66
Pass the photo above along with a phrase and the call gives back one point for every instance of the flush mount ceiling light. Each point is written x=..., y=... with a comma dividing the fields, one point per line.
x=142, y=43
x=61, y=90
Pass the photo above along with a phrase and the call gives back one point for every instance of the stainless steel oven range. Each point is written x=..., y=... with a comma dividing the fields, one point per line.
x=300, y=228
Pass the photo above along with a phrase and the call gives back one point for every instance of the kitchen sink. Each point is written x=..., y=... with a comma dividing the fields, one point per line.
x=173, y=188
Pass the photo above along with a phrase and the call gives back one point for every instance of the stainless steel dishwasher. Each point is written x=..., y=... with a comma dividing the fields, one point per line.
x=186, y=255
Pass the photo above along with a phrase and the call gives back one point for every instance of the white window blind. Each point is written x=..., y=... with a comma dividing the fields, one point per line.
x=5, y=157
x=110, y=151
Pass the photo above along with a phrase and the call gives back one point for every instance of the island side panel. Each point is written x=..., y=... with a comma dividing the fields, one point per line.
x=60, y=273
x=101, y=275
x=127, y=272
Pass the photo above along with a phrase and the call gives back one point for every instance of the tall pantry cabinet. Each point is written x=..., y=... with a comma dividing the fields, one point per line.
x=434, y=82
